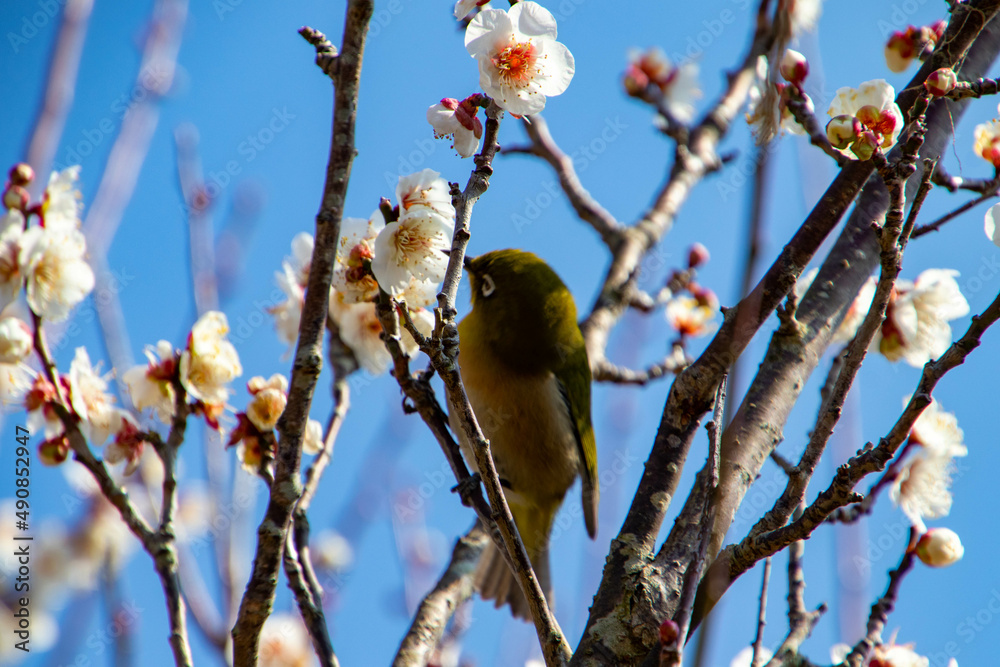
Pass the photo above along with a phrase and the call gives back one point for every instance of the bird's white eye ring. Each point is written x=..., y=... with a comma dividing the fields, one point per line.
x=488, y=285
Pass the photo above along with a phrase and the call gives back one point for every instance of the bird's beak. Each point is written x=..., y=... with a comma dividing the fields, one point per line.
x=466, y=261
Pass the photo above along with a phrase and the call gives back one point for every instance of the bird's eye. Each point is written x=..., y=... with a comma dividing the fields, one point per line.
x=488, y=285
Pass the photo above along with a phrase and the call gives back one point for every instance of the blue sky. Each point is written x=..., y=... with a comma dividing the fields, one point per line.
x=262, y=111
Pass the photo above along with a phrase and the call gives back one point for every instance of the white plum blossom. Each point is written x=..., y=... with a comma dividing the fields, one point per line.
x=520, y=61
x=301, y=258
x=987, y=142
x=288, y=314
x=873, y=103
x=803, y=15
x=424, y=190
x=150, y=385
x=312, y=438
x=284, y=642
x=210, y=362
x=992, y=228
x=331, y=551
x=413, y=247
x=269, y=399
x=463, y=7
x=62, y=203
x=357, y=245
x=361, y=331
x=127, y=445
x=674, y=88
x=916, y=325
x=449, y=117
x=11, y=276
x=16, y=341
x=58, y=276
x=693, y=315
x=922, y=487
x=100, y=417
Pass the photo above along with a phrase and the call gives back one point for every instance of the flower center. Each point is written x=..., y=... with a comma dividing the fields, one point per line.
x=516, y=63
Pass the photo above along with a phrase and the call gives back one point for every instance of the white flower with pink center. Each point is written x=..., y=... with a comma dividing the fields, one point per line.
x=873, y=103
x=520, y=61
x=451, y=118
x=351, y=277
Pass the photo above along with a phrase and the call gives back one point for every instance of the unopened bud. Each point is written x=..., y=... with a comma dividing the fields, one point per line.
x=864, y=146
x=868, y=115
x=794, y=67
x=669, y=633
x=21, y=174
x=941, y=82
x=16, y=197
x=697, y=255
x=940, y=547
x=842, y=130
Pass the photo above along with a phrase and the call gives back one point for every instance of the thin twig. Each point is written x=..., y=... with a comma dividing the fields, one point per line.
x=879, y=616
x=60, y=86
x=758, y=641
x=990, y=193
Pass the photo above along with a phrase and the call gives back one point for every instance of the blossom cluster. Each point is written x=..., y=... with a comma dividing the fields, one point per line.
x=405, y=257
x=674, y=89
x=864, y=119
x=693, y=314
x=520, y=65
x=904, y=46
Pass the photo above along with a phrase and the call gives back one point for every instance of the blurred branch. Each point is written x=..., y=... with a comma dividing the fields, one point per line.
x=258, y=599
x=121, y=172
x=956, y=183
x=453, y=588
x=60, y=87
x=989, y=193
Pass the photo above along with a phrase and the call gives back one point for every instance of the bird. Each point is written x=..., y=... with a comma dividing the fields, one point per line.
x=524, y=365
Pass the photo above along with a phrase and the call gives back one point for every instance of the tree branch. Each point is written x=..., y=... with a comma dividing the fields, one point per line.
x=258, y=598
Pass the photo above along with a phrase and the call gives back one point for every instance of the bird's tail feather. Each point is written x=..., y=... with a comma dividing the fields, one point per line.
x=496, y=581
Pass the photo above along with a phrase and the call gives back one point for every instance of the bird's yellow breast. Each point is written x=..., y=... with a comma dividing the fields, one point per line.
x=527, y=422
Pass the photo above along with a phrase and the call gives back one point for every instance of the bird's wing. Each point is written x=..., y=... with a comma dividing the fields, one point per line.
x=573, y=378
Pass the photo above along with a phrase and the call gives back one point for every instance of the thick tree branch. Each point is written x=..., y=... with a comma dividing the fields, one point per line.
x=258, y=599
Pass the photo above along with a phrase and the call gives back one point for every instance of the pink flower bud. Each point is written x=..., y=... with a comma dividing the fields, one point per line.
x=794, y=67
x=941, y=82
x=21, y=174
x=55, y=451
x=669, y=633
x=940, y=547
x=869, y=116
x=697, y=255
x=842, y=130
x=864, y=146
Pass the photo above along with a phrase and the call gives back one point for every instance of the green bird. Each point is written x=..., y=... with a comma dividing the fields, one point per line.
x=524, y=365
